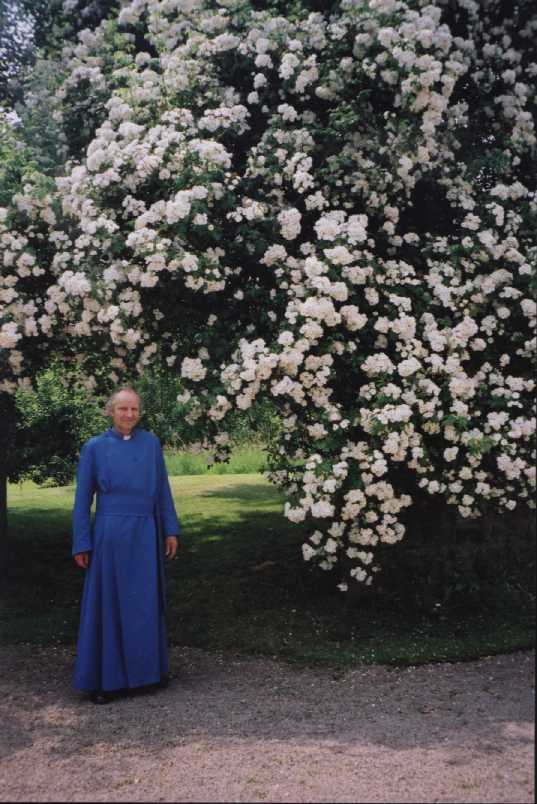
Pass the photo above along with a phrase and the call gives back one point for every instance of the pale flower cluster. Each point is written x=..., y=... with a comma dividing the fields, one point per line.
x=272, y=230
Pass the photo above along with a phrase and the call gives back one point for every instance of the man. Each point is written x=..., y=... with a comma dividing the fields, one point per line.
x=122, y=638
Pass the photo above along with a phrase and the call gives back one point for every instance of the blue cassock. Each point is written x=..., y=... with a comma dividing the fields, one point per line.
x=122, y=637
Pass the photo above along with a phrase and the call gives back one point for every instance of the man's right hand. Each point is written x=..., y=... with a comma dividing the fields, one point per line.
x=82, y=559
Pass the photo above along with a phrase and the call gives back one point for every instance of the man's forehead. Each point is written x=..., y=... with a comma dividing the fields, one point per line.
x=127, y=396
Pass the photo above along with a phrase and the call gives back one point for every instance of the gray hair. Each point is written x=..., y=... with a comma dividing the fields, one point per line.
x=111, y=401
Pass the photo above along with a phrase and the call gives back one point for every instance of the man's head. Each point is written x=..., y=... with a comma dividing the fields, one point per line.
x=124, y=408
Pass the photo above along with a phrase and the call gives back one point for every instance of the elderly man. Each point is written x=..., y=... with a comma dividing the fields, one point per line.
x=122, y=637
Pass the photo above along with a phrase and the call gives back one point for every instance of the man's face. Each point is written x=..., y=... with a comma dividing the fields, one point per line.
x=126, y=412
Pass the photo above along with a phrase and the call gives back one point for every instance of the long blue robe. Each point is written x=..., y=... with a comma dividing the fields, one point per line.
x=122, y=636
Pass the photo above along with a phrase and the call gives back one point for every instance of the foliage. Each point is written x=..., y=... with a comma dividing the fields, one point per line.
x=18, y=172
x=331, y=211
x=14, y=161
x=59, y=414
x=39, y=136
x=56, y=418
x=33, y=28
x=16, y=48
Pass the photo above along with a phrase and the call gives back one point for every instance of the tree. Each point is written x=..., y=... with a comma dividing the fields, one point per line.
x=54, y=420
x=21, y=284
x=331, y=209
x=16, y=49
x=39, y=28
x=31, y=332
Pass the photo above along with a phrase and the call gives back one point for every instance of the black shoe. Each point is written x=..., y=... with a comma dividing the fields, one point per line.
x=164, y=681
x=101, y=697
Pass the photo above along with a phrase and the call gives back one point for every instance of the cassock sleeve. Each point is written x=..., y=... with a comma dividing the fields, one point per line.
x=166, y=507
x=85, y=489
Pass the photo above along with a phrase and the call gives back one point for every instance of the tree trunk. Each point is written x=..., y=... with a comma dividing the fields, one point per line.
x=4, y=544
x=8, y=459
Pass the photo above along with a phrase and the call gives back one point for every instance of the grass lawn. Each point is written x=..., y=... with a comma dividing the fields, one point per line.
x=240, y=584
x=243, y=461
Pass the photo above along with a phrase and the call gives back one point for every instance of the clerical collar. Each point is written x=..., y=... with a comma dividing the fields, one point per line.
x=116, y=434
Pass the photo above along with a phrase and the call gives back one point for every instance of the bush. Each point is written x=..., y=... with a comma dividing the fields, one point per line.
x=55, y=420
x=331, y=210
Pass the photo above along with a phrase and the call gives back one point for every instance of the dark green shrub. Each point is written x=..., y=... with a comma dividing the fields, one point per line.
x=56, y=418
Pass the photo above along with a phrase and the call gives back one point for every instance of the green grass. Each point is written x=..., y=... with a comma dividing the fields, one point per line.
x=244, y=460
x=240, y=585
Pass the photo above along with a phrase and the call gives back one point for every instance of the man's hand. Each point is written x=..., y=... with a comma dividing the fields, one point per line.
x=82, y=559
x=171, y=546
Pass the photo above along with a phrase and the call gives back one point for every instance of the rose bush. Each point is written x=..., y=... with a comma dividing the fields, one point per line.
x=333, y=210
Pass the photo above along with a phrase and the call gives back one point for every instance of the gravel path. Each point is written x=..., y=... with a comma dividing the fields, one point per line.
x=233, y=729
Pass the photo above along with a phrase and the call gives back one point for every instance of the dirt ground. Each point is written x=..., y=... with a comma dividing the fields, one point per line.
x=233, y=729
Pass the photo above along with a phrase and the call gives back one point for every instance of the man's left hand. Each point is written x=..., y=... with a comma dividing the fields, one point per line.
x=171, y=546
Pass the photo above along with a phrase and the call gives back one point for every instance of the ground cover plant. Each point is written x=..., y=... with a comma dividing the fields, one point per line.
x=240, y=585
